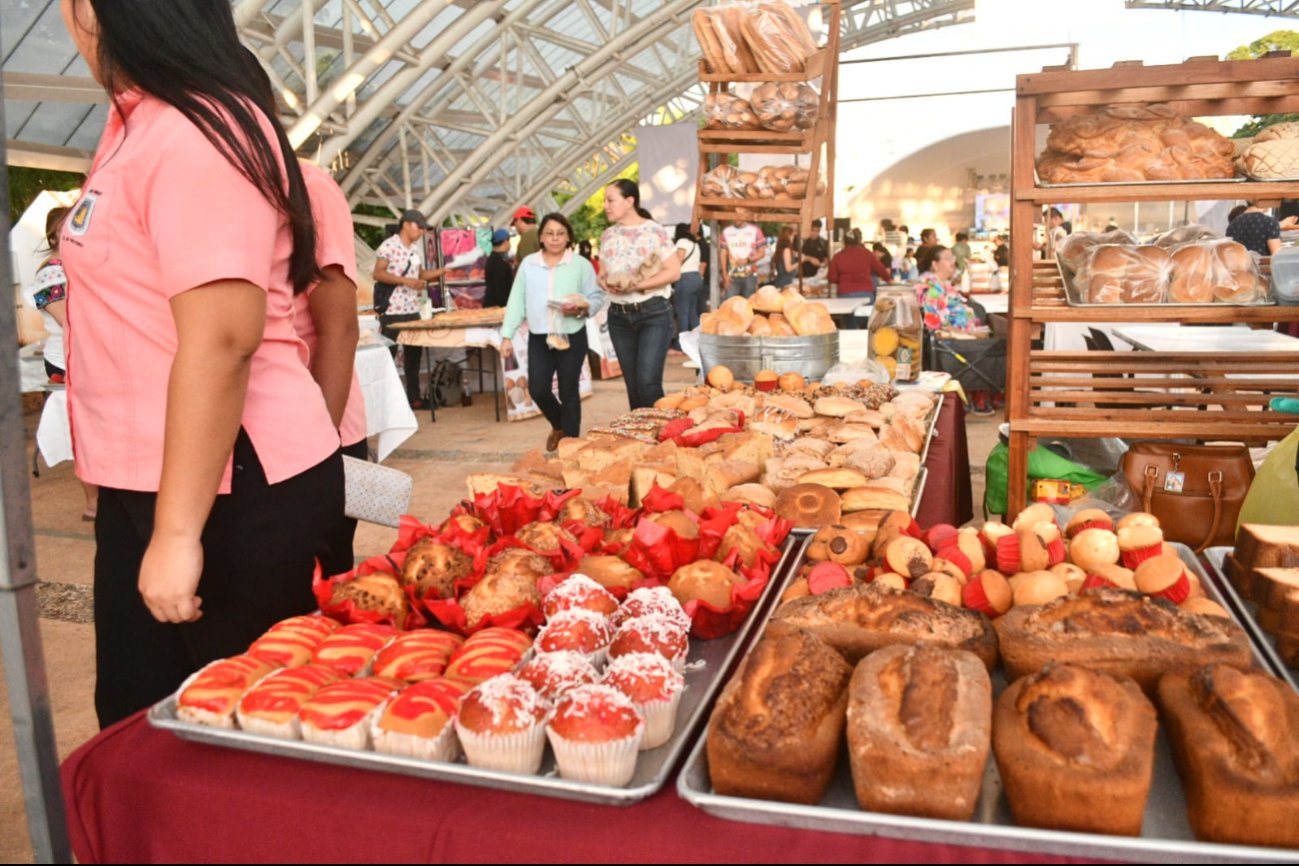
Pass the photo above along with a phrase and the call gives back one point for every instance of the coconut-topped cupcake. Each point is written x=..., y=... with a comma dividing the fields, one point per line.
x=501, y=725
x=655, y=687
x=552, y=674
x=579, y=592
x=596, y=732
x=582, y=631
x=652, y=599
x=652, y=633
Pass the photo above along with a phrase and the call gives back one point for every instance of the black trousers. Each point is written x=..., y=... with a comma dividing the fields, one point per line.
x=260, y=545
x=543, y=363
x=412, y=355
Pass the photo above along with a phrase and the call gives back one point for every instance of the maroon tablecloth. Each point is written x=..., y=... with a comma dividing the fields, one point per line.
x=948, y=495
x=140, y=795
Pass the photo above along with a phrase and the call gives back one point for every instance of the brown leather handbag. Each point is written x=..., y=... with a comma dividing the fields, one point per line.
x=1195, y=490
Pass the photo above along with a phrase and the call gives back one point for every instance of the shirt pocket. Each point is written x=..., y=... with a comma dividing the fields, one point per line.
x=87, y=234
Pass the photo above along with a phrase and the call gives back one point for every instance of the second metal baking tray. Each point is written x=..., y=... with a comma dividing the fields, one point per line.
x=1166, y=832
x=707, y=666
x=1246, y=613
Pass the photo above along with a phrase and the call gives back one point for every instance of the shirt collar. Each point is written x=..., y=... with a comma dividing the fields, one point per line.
x=541, y=258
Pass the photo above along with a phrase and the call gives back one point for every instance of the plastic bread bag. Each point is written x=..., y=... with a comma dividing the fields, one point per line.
x=728, y=111
x=1101, y=278
x=1197, y=272
x=896, y=330
x=851, y=374
x=1185, y=235
x=1072, y=251
x=736, y=51
x=774, y=41
x=724, y=182
x=785, y=106
x=768, y=183
x=1239, y=280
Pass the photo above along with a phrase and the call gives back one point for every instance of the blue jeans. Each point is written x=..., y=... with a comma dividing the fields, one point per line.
x=641, y=334
x=687, y=300
x=742, y=286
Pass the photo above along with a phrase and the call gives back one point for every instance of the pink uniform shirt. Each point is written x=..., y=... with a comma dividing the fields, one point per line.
x=161, y=213
x=334, y=246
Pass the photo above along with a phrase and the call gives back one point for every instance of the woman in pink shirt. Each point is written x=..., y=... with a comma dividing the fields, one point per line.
x=192, y=406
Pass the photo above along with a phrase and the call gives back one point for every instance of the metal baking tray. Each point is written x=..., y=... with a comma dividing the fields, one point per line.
x=922, y=477
x=1122, y=183
x=1074, y=299
x=1166, y=833
x=1246, y=613
x=708, y=665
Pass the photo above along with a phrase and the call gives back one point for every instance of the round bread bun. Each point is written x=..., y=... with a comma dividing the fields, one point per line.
x=705, y=581
x=546, y=537
x=739, y=308
x=433, y=567
x=1234, y=256
x=841, y=478
x=1038, y=512
x=767, y=299
x=378, y=592
x=1114, y=574
x=499, y=593
x=1111, y=259
x=1038, y=587
x=845, y=546
x=1193, y=275
x=989, y=593
x=679, y=522
x=1104, y=289
x=1072, y=251
x=583, y=511
x=518, y=560
x=1239, y=287
x=791, y=382
x=720, y=377
x=1072, y=575
x=1088, y=518
x=1094, y=547
x=809, y=505
x=745, y=540
x=609, y=571
x=754, y=494
x=765, y=380
x=760, y=327
x=669, y=401
x=1163, y=576
x=1155, y=257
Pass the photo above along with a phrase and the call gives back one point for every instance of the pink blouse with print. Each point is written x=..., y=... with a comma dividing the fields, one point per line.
x=163, y=212
x=623, y=249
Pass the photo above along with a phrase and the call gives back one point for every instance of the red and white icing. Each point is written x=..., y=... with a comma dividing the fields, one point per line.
x=424, y=709
x=487, y=653
x=552, y=674
x=502, y=705
x=280, y=696
x=351, y=648
x=579, y=592
x=342, y=704
x=291, y=642
x=417, y=656
x=596, y=714
x=583, y=631
x=644, y=677
x=652, y=599
x=217, y=687
x=652, y=633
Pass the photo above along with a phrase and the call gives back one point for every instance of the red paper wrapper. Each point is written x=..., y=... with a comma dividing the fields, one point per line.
x=1008, y=554
x=674, y=428
x=975, y=597
x=713, y=525
x=589, y=538
x=1095, y=580
x=526, y=618
x=620, y=516
x=957, y=557
x=1090, y=524
x=508, y=508
x=1055, y=550
x=1176, y=592
x=657, y=551
x=348, y=612
x=659, y=500
x=1133, y=558
x=411, y=531
x=707, y=622
x=774, y=530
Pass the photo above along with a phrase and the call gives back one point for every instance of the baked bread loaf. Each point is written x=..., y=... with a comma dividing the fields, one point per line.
x=919, y=730
x=809, y=505
x=862, y=618
x=433, y=568
x=776, y=729
x=1235, y=739
x=1118, y=632
x=1075, y=750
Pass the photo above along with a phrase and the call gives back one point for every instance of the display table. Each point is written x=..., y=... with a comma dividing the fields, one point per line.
x=139, y=795
x=426, y=334
x=1203, y=338
x=387, y=414
x=949, y=496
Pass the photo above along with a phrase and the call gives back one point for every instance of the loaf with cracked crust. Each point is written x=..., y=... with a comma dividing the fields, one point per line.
x=1119, y=632
x=776, y=729
x=1235, y=739
x=919, y=731
x=1076, y=750
x=862, y=618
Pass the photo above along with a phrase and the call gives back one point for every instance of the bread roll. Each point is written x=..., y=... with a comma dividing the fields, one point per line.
x=705, y=581
x=1195, y=274
x=809, y=505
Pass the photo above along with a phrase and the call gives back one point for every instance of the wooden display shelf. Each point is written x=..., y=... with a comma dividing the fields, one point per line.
x=815, y=68
x=1205, y=396
x=756, y=141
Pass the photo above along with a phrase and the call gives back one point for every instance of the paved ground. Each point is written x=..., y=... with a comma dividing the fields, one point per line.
x=438, y=457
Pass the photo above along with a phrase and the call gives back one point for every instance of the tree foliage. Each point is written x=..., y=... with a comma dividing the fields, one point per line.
x=27, y=183
x=1277, y=40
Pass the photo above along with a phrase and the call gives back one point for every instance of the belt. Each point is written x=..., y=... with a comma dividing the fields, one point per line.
x=636, y=306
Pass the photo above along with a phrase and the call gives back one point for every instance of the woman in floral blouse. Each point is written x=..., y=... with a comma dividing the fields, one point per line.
x=942, y=305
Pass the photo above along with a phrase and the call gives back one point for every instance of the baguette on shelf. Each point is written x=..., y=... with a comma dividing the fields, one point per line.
x=769, y=37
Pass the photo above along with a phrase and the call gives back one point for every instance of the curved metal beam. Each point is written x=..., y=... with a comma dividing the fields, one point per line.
x=550, y=102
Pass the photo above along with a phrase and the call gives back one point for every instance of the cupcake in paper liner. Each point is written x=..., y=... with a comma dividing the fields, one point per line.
x=419, y=722
x=652, y=599
x=340, y=713
x=271, y=707
x=579, y=592
x=501, y=725
x=652, y=684
x=552, y=674
x=652, y=633
x=581, y=631
x=596, y=732
x=210, y=695
x=351, y=649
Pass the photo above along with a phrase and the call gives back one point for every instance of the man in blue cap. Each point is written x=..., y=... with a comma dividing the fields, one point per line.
x=500, y=273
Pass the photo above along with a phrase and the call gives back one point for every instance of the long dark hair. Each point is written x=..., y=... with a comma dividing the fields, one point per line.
x=188, y=55
x=631, y=189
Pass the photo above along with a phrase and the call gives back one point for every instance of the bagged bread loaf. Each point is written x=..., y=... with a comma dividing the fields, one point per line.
x=737, y=52
x=776, y=42
x=1072, y=251
x=1196, y=270
x=1184, y=235
x=768, y=184
x=728, y=111
x=785, y=105
x=725, y=181
x=702, y=21
x=1238, y=280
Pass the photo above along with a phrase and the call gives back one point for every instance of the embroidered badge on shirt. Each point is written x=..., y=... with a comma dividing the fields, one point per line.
x=79, y=222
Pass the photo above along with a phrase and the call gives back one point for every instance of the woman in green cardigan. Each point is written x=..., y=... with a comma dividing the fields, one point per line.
x=555, y=292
